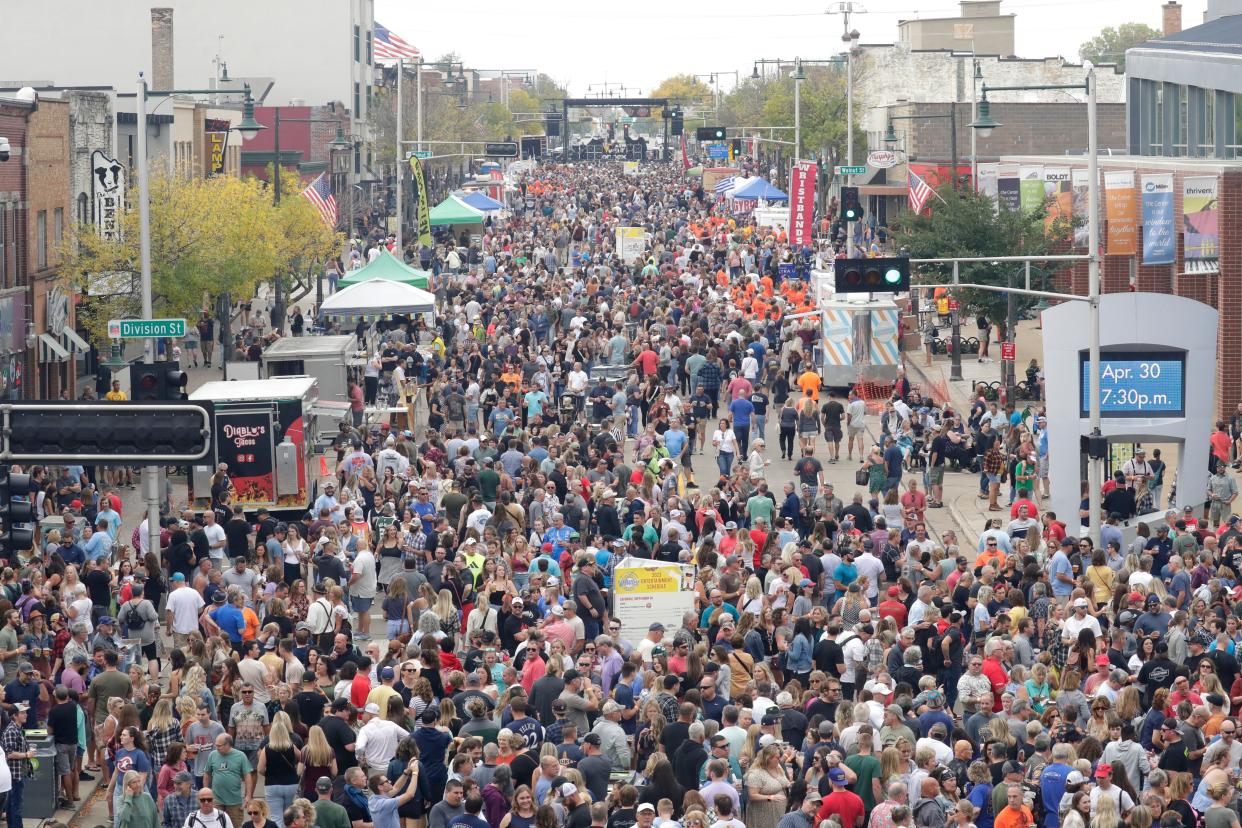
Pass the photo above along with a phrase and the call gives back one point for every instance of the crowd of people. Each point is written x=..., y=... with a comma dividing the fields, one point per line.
x=432, y=643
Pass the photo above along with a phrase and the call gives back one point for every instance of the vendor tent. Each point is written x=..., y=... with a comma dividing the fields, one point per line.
x=481, y=201
x=378, y=297
x=454, y=211
x=756, y=188
x=386, y=266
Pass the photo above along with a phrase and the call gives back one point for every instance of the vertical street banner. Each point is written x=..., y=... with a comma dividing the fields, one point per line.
x=1201, y=224
x=802, y=202
x=217, y=132
x=1008, y=194
x=1159, y=243
x=424, y=204
x=1030, y=189
x=1080, y=180
x=988, y=180
x=108, y=188
x=1121, y=210
x=1057, y=192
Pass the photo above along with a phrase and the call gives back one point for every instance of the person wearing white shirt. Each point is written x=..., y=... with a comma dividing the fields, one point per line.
x=362, y=584
x=216, y=540
x=855, y=651
x=182, y=610
x=378, y=740
x=872, y=568
x=1080, y=621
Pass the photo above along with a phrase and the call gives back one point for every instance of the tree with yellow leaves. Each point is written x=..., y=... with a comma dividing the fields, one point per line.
x=209, y=236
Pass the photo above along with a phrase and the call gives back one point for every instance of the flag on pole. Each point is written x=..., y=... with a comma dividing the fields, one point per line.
x=724, y=186
x=920, y=192
x=319, y=193
x=388, y=46
x=685, y=159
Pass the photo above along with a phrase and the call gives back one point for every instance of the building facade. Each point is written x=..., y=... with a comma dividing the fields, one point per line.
x=980, y=22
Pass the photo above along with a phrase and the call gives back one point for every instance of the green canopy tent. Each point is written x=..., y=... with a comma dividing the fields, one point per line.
x=454, y=211
x=389, y=267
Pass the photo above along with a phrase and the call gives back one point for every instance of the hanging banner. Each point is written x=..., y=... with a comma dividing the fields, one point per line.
x=424, y=206
x=1201, y=224
x=987, y=182
x=1121, y=212
x=1159, y=243
x=1057, y=191
x=1079, y=180
x=802, y=202
x=1031, y=188
x=108, y=187
x=217, y=131
x=1008, y=194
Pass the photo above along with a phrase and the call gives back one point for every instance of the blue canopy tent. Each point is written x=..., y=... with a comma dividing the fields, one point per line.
x=756, y=188
x=481, y=201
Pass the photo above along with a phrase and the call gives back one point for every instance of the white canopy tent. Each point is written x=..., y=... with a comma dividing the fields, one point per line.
x=378, y=297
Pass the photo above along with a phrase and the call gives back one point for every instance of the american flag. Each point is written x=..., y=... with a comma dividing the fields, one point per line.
x=920, y=192
x=724, y=185
x=387, y=46
x=320, y=194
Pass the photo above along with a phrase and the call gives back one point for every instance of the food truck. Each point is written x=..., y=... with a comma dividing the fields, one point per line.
x=265, y=431
x=330, y=359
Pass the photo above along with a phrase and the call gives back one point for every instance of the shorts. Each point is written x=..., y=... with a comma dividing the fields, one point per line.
x=994, y=478
x=808, y=432
x=361, y=604
x=832, y=435
x=191, y=346
x=1043, y=467
x=855, y=431
x=66, y=755
x=935, y=475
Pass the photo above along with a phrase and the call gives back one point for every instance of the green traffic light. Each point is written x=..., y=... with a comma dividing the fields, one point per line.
x=892, y=276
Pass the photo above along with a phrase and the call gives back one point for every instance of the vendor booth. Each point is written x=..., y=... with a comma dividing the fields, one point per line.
x=389, y=268
x=756, y=189
x=453, y=211
x=482, y=201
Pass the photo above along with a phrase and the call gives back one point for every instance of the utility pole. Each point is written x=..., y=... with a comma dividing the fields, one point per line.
x=150, y=474
x=400, y=177
x=850, y=38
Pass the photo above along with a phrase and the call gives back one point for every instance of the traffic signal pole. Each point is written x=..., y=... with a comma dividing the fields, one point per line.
x=150, y=474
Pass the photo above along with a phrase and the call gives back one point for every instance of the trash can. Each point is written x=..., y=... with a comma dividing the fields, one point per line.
x=39, y=799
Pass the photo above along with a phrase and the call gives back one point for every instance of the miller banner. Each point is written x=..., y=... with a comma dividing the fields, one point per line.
x=1122, y=213
x=424, y=206
x=802, y=202
x=1159, y=243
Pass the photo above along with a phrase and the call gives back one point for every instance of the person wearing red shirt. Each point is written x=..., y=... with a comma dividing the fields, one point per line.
x=845, y=805
x=647, y=361
x=1221, y=442
x=1031, y=509
x=914, y=500
x=1054, y=530
x=893, y=608
x=995, y=672
x=729, y=542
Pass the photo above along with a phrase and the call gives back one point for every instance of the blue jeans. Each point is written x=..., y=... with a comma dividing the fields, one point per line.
x=14, y=804
x=636, y=416
x=278, y=798
x=724, y=462
x=742, y=433
x=758, y=426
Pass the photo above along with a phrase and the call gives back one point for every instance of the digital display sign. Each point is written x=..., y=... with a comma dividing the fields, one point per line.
x=1136, y=384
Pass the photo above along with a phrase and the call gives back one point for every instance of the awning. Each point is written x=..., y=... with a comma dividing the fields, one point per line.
x=50, y=350
x=882, y=190
x=73, y=343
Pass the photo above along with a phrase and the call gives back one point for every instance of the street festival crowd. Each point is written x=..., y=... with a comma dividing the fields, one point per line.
x=840, y=668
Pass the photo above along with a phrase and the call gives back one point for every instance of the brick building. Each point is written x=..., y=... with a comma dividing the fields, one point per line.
x=304, y=147
x=1221, y=289
x=14, y=125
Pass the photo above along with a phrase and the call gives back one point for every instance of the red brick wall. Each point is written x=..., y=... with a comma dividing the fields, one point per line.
x=1229, y=357
x=12, y=187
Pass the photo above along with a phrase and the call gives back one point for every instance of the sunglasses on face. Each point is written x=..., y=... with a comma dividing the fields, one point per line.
x=206, y=798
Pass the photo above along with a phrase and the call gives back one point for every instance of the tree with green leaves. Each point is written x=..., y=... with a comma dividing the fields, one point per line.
x=1110, y=45
x=967, y=224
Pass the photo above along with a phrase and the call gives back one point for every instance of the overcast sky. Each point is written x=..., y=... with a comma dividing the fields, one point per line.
x=640, y=42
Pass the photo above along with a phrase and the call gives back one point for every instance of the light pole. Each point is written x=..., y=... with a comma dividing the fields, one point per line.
x=850, y=39
x=338, y=142
x=890, y=137
x=798, y=77
x=984, y=124
x=248, y=128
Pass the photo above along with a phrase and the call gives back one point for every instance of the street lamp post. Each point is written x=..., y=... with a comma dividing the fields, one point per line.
x=984, y=124
x=338, y=142
x=798, y=77
x=890, y=137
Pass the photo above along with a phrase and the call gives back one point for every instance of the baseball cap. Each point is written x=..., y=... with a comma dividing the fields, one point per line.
x=569, y=789
x=610, y=707
x=107, y=619
x=1101, y=659
x=657, y=626
x=178, y=576
x=1103, y=769
x=372, y=708
x=766, y=739
x=185, y=777
x=893, y=592
x=1011, y=767
x=1136, y=596
x=644, y=806
x=1080, y=602
x=557, y=609
x=1169, y=724
x=341, y=704
x=837, y=776
x=592, y=739
x=387, y=673
x=1067, y=541
x=1074, y=778
x=25, y=667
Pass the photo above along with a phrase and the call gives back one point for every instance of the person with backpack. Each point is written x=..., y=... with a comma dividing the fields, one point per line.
x=139, y=619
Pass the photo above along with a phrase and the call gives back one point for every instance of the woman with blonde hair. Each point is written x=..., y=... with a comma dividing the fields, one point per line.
x=259, y=814
x=767, y=783
x=162, y=731
x=277, y=765
x=1106, y=814
x=318, y=760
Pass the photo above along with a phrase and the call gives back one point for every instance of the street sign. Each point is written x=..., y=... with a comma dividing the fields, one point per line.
x=717, y=150
x=1009, y=352
x=145, y=328
x=855, y=170
x=421, y=153
x=501, y=149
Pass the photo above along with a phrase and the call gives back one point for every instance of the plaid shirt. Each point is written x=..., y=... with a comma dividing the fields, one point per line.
x=176, y=809
x=158, y=742
x=13, y=740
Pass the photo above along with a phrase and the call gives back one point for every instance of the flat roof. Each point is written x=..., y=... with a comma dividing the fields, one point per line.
x=277, y=388
x=309, y=346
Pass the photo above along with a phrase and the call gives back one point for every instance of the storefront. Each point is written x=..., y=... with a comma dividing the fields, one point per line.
x=61, y=350
x=12, y=344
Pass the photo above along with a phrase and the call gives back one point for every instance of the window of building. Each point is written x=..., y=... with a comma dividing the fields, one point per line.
x=1157, y=135
x=357, y=44
x=41, y=239
x=4, y=247
x=1179, y=139
x=357, y=99
x=58, y=228
x=1208, y=132
x=370, y=47
x=1234, y=150
x=84, y=209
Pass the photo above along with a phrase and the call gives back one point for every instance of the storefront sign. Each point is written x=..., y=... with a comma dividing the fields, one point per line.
x=217, y=145
x=108, y=184
x=57, y=311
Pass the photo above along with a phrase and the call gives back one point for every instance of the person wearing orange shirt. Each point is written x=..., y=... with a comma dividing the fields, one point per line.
x=809, y=382
x=1015, y=814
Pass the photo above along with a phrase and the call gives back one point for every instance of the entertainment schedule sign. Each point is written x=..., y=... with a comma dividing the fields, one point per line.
x=802, y=203
x=1137, y=384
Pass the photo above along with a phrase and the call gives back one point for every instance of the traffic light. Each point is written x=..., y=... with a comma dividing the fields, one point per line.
x=872, y=275
x=552, y=124
x=678, y=125
x=151, y=432
x=15, y=508
x=736, y=143
x=709, y=134
x=851, y=210
x=157, y=381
